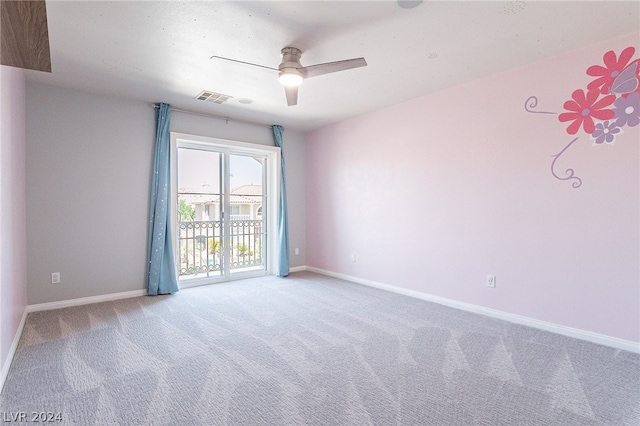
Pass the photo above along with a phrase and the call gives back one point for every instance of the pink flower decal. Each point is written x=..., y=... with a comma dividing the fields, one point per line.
x=584, y=108
x=613, y=67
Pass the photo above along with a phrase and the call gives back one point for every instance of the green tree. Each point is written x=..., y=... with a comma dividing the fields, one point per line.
x=186, y=211
x=243, y=250
x=214, y=246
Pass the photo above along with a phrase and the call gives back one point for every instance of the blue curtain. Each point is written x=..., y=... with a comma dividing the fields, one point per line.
x=282, y=268
x=161, y=276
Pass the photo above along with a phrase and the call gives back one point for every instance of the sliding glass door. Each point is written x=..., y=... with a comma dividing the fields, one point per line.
x=222, y=212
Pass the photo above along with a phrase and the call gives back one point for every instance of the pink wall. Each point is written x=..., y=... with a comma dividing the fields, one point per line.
x=435, y=193
x=13, y=282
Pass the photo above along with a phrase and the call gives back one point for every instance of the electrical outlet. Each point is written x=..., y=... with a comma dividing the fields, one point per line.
x=491, y=281
x=353, y=257
x=296, y=251
x=55, y=278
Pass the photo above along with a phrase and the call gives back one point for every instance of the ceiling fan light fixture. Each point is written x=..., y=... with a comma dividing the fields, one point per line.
x=290, y=78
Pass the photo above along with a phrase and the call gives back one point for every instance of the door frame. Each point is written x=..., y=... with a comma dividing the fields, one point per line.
x=270, y=208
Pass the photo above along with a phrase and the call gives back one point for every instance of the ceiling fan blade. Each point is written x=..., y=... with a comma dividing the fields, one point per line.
x=292, y=95
x=329, y=67
x=242, y=62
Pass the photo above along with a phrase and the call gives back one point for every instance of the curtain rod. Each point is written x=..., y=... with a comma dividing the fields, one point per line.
x=226, y=119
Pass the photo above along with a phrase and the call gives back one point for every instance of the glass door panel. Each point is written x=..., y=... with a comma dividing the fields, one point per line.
x=246, y=219
x=200, y=227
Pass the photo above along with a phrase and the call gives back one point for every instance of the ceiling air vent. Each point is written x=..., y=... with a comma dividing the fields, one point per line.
x=214, y=97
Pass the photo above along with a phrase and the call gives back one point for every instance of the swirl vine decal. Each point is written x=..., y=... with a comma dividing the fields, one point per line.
x=531, y=103
x=569, y=173
x=611, y=101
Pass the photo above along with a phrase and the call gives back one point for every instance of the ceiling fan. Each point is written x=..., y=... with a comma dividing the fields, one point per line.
x=291, y=73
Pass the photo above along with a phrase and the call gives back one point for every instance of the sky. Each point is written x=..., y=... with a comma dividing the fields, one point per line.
x=197, y=168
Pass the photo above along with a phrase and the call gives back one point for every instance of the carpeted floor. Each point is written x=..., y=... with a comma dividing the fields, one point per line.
x=309, y=349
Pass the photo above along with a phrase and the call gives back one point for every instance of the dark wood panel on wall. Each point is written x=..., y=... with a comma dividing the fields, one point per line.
x=24, y=34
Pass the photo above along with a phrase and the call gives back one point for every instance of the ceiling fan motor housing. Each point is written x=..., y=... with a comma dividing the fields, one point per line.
x=290, y=58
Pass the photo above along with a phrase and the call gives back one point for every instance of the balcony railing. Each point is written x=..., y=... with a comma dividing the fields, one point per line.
x=202, y=251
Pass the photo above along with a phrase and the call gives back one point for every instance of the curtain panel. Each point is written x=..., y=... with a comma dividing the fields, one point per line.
x=161, y=276
x=282, y=267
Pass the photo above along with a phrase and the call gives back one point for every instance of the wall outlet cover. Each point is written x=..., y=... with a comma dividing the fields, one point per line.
x=491, y=281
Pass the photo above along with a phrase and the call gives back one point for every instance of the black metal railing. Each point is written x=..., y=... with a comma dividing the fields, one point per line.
x=202, y=251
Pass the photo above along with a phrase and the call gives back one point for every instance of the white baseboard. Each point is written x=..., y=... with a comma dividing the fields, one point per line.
x=85, y=300
x=298, y=269
x=12, y=350
x=601, y=339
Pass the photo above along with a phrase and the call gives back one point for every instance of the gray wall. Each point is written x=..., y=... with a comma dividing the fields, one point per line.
x=88, y=168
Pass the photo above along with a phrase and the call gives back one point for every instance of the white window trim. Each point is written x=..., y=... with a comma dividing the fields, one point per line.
x=185, y=140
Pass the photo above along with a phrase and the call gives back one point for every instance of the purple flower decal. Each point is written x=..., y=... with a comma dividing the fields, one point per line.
x=627, y=110
x=606, y=132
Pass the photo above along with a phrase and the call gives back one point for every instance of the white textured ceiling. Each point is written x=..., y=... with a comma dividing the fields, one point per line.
x=159, y=51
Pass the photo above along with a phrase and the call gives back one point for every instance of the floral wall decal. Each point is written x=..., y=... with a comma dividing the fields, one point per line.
x=584, y=108
x=610, y=102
